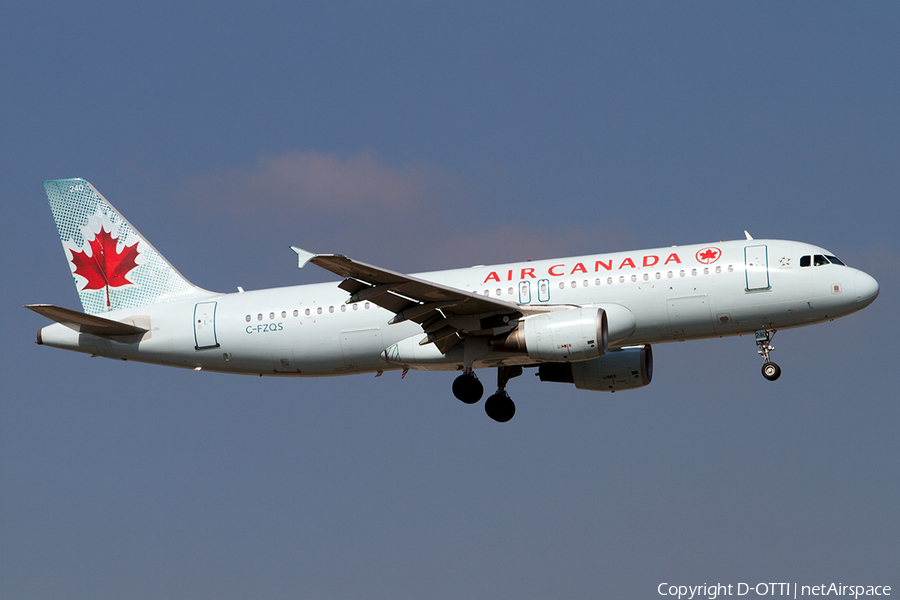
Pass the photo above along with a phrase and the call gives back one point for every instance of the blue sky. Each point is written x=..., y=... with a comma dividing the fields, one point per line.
x=427, y=136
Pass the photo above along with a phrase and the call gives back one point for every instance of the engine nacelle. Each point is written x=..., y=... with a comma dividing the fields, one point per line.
x=566, y=335
x=621, y=322
x=623, y=369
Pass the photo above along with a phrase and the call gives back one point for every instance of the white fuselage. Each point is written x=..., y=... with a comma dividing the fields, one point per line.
x=650, y=296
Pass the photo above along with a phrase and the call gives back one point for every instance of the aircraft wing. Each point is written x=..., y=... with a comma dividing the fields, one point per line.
x=445, y=313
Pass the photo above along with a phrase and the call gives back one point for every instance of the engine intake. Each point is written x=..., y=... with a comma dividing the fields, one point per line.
x=568, y=335
x=623, y=369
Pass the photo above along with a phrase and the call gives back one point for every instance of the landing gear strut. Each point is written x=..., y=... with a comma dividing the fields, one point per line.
x=770, y=370
x=499, y=406
x=467, y=388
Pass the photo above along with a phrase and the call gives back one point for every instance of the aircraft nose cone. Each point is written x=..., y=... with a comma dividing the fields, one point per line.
x=866, y=289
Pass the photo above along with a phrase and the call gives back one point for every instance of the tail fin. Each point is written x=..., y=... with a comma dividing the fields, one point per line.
x=113, y=265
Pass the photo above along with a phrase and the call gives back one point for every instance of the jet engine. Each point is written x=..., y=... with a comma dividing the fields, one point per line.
x=567, y=335
x=622, y=369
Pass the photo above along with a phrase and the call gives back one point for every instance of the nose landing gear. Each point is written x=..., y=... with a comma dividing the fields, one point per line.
x=770, y=370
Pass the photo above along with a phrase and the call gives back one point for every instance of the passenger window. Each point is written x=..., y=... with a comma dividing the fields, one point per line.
x=307, y=312
x=562, y=285
x=319, y=311
x=248, y=318
x=284, y=314
x=259, y=317
x=296, y=313
x=819, y=260
x=805, y=260
x=343, y=308
x=633, y=278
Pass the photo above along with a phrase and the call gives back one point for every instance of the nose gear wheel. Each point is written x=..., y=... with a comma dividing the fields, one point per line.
x=770, y=370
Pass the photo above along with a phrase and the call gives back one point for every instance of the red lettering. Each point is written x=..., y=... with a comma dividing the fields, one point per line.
x=650, y=264
x=493, y=276
x=672, y=257
x=628, y=262
x=578, y=267
x=607, y=266
x=550, y=270
x=509, y=275
x=529, y=271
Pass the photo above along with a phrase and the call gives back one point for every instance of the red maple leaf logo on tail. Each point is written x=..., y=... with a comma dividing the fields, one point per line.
x=105, y=268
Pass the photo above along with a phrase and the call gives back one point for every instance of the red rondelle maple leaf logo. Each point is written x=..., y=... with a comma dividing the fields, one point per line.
x=105, y=268
x=708, y=255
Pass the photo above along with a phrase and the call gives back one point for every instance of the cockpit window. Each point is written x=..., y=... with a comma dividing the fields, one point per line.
x=819, y=260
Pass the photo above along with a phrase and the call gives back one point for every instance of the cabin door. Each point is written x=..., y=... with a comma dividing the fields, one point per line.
x=756, y=267
x=205, y=325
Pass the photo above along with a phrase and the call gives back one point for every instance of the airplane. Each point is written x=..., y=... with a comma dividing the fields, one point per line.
x=589, y=320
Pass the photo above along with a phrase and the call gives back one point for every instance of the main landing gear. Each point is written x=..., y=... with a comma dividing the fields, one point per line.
x=499, y=406
x=467, y=388
x=770, y=370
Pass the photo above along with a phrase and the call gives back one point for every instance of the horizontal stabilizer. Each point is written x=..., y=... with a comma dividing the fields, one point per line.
x=84, y=323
